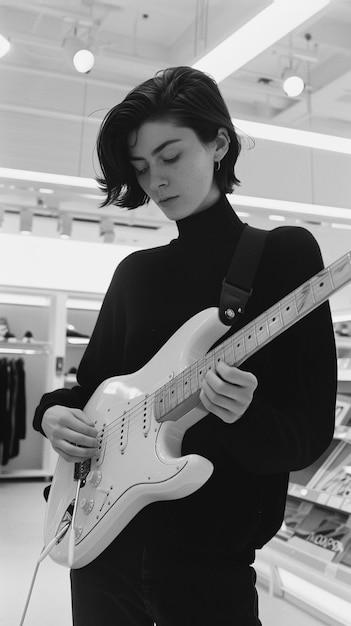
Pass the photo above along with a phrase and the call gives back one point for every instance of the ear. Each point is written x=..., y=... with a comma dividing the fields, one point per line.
x=222, y=143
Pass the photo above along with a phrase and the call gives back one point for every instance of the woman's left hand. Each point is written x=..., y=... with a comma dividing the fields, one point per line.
x=227, y=392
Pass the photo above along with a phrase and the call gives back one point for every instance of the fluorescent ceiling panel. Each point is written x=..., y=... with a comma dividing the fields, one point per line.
x=294, y=136
x=265, y=29
x=45, y=177
x=287, y=206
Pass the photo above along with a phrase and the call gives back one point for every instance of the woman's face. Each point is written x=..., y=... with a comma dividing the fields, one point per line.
x=174, y=168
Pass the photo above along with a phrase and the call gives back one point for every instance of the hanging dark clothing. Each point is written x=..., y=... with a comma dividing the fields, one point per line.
x=12, y=408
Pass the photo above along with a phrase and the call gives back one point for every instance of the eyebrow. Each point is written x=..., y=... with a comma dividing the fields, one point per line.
x=157, y=149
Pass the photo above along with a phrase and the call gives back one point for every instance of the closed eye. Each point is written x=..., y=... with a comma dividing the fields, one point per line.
x=140, y=172
x=172, y=160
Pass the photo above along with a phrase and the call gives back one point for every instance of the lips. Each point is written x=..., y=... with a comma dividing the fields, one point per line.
x=165, y=200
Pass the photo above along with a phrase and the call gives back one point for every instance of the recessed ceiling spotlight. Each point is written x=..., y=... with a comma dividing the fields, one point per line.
x=4, y=46
x=293, y=84
x=82, y=58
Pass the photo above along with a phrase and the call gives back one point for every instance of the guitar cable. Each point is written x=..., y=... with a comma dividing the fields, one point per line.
x=45, y=551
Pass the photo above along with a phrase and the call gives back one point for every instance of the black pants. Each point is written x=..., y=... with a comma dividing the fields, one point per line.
x=133, y=584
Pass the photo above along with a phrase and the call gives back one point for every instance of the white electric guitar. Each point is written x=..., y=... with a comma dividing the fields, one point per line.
x=142, y=418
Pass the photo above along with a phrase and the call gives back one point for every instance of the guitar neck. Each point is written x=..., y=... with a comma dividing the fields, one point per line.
x=258, y=333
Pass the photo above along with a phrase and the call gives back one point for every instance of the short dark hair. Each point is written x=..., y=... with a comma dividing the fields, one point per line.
x=185, y=96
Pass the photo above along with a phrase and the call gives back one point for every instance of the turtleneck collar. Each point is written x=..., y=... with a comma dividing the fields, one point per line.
x=219, y=220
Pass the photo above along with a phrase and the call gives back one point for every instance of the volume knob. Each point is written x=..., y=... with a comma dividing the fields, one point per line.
x=94, y=477
x=87, y=504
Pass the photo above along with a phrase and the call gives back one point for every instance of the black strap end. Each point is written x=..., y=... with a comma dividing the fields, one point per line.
x=233, y=302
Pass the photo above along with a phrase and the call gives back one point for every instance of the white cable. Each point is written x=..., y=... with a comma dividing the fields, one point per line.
x=45, y=551
x=71, y=540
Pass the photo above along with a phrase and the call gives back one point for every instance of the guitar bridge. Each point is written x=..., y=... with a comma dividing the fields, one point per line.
x=81, y=471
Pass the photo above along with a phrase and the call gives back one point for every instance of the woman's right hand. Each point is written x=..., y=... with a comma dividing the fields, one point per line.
x=71, y=433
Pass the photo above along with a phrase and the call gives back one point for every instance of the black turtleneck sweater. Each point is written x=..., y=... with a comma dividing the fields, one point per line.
x=291, y=418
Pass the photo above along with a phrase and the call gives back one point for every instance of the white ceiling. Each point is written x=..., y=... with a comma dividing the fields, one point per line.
x=50, y=114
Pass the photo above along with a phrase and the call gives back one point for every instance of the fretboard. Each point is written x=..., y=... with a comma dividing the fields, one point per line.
x=256, y=334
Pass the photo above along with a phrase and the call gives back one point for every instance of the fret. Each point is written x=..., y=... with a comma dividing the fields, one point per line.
x=219, y=353
x=210, y=361
x=194, y=381
x=341, y=271
x=262, y=330
x=322, y=286
x=186, y=383
x=173, y=396
x=179, y=388
x=201, y=368
x=239, y=346
x=275, y=322
x=250, y=339
x=288, y=310
x=158, y=404
x=228, y=352
x=304, y=298
x=163, y=399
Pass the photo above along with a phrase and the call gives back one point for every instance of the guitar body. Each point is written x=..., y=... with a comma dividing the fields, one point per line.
x=139, y=459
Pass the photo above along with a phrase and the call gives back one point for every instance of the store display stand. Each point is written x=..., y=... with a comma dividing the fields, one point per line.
x=308, y=562
x=47, y=357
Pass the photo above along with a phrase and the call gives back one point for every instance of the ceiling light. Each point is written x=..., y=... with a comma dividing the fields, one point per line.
x=341, y=226
x=294, y=136
x=288, y=206
x=45, y=177
x=293, y=84
x=26, y=222
x=45, y=190
x=4, y=46
x=266, y=28
x=83, y=61
x=82, y=58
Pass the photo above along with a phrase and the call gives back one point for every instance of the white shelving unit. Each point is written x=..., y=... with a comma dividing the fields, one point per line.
x=297, y=569
x=47, y=358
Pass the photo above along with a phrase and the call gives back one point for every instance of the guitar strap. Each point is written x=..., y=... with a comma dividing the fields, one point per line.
x=237, y=285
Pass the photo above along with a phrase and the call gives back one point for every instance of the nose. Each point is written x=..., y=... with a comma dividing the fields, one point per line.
x=157, y=179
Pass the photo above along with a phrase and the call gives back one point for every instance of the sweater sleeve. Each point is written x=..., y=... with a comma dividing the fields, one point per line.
x=102, y=358
x=290, y=421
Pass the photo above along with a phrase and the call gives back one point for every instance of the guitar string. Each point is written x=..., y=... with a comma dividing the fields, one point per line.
x=239, y=338
x=134, y=414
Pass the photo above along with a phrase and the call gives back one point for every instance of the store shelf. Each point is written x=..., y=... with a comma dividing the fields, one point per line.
x=321, y=587
x=24, y=347
x=320, y=497
x=23, y=474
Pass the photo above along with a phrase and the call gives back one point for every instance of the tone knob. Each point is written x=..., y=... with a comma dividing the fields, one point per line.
x=87, y=504
x=78, y=532
x=94, y=477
